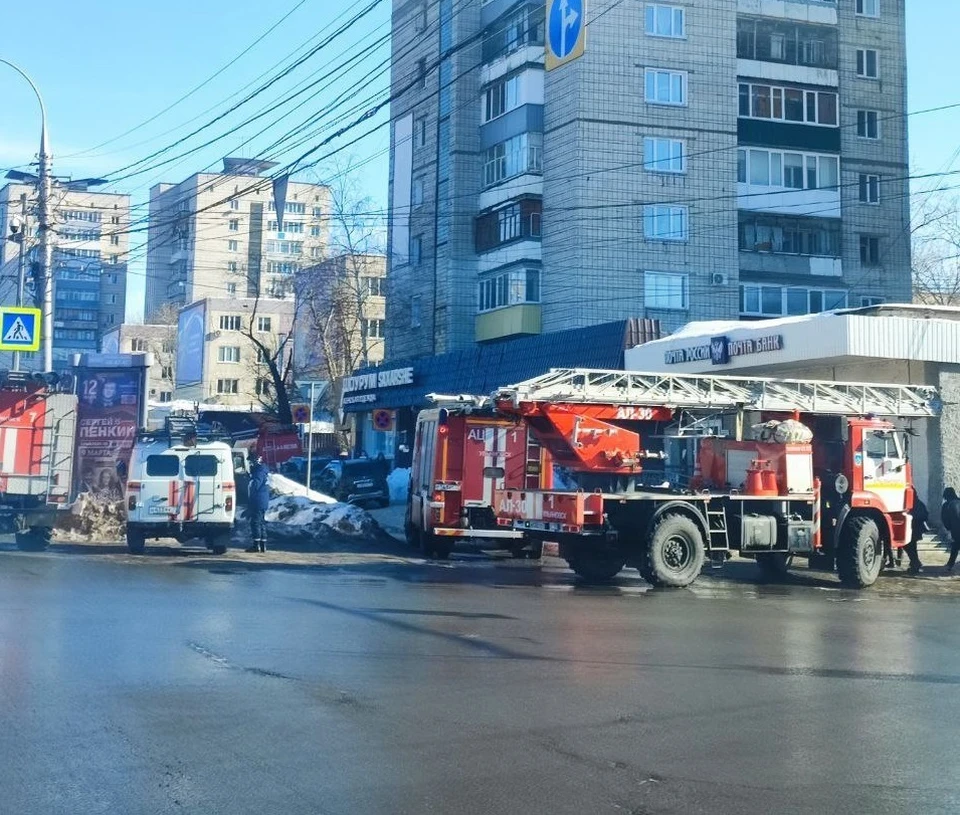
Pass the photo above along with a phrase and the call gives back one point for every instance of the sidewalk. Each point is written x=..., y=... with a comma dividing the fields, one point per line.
x=391, y=519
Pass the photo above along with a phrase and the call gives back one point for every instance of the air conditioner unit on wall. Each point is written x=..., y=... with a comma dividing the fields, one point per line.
x=719, y=279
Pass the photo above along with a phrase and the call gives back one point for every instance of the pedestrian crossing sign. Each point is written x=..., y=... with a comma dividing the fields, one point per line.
x=19, y=329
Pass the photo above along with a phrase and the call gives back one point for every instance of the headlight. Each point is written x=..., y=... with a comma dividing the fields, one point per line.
x=842, y=484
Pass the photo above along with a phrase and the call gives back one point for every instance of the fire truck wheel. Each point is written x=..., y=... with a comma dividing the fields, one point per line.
x=597, y=568
x=34, y=539
x=860, y=554
x=219, y=545
x=136, y=541
x=774, y=565
x=675, y=552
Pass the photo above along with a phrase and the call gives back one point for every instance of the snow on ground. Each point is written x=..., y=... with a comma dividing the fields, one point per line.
x=399, y=483
x=296, y=516
x=282, y=486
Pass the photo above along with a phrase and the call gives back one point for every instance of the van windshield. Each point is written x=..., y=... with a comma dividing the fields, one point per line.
x=199, y=465
x=163, y=466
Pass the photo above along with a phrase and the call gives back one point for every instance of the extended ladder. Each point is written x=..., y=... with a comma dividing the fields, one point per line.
x=692, y=391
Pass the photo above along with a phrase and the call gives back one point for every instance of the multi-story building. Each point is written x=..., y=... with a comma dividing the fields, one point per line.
x=218, y=235
x=91, y=244
x=341, y=310
x=218, y=362
x=720, y=159
x=159, y=340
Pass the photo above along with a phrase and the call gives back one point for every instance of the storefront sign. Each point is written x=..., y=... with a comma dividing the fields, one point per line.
x=722, y=350
x=376, y=380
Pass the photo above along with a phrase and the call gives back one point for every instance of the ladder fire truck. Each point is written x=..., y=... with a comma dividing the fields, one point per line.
x=667, y=477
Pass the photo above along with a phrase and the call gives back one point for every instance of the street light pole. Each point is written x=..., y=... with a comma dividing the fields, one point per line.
x=45, y=196
x=21, y=266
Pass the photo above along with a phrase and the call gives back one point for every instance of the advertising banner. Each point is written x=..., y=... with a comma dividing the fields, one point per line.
x=107, y=418
x=190, y=345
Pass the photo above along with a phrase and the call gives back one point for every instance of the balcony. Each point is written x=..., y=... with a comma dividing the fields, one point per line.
x=785, y=51
x=508, y=322
x=822, y=12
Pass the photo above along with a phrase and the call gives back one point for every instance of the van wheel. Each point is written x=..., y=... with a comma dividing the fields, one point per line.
x=218, y=545
x=136, y=541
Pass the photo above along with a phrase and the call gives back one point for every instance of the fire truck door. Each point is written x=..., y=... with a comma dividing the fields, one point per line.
x=885, y=468
x=494, y=461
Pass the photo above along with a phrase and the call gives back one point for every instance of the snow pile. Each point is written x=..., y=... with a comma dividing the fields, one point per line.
x=399, y=483
x=297, y=516
x=94, y=517
x=281, y=486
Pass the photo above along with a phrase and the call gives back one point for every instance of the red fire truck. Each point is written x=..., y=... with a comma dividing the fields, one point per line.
x=667, y=478
x=463, y=456
x=37, y=436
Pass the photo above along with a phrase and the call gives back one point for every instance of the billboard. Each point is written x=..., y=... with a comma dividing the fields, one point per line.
x=190, y=345
x=108, y=414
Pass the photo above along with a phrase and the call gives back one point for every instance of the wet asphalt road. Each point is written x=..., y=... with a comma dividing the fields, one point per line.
x=202, y=686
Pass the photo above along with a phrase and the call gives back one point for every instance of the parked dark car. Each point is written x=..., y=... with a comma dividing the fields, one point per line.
x=356, y=481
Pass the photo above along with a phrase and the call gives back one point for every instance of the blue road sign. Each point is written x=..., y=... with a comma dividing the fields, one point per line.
x=566, y=31
x=19, y=329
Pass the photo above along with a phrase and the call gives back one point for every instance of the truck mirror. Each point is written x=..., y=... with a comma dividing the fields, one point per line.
x=493, y=472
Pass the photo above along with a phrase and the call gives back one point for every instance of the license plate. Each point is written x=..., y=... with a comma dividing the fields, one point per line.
x=363, y=484
x=158, y=511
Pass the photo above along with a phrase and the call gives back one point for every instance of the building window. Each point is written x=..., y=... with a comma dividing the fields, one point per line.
x=234, y=203
x=232, y=289
x=139, y=346
x=373, y=329
x=665, y=21
x=233, y=246
x=417, y=192
x=374, y=286
x=166, y=396
x=420, y=133
x=666, y=87
x=115, y=220
x=420, y=21
x=316, y=231
x=501, y=98
x=228, y=353
x=166, y=372
x=869, y=250
x=114, y=240
x=758, y=101
x=415, y=308
x=665, y=291
x=285, y=247
x=228, y=386
x=232, y=266
x=517, y=29
x=317, y=212
x=515, y=287
x=663, y=222
x=760, y=300
x=263, y=387
x=230, y=322
x=416, y=250
x=867, y=63
x=772, y=40
x=868, y=8
x=422, y=73
x=797, y=171
x=520, y=220
x=869, y=188
x=868, y=124
x=814, y=237
x=264, y=325
x=516, y=156
x=111, y=299
x=234, y=225
x=295, y=227
x=664, y=155
x=114, y=259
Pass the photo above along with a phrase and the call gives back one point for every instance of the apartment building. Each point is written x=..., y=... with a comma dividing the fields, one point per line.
x=91, y=245
x=341, y=307
x=159, y=340
x=217, y=362
x=218, y=235
x=711, y=160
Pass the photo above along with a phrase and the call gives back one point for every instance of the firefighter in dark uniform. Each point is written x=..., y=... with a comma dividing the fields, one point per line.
x=258, y=499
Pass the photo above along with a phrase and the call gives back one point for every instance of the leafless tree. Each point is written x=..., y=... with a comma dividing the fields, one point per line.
x=272, y=363
x=936, y=252
x=339, y=298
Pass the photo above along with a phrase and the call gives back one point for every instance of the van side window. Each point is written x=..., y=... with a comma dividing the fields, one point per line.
x=163, y=466
x=198, y=465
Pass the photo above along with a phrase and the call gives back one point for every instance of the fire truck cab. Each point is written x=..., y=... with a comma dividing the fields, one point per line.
x=463, y=456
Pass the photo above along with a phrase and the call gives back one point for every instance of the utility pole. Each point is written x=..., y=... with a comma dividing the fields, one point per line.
x=21, y=265
x=46, y=249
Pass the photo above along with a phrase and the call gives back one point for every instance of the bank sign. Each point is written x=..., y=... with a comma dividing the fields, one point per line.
x=362, y=388
x=722, y=350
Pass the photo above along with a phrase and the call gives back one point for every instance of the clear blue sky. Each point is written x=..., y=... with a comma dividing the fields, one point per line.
x=108, y=65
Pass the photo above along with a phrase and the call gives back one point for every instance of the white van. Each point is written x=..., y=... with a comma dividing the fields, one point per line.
x=180, y=491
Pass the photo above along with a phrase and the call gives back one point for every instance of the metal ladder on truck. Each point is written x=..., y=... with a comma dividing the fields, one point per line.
x=574, y=386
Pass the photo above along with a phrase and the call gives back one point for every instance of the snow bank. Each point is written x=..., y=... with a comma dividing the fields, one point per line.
x=296, y=516
x=93, y=517
x=399, y=483
x=281, y=486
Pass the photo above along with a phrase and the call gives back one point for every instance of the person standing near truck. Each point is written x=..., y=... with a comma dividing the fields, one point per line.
x=258, y=499
x=950, y=518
